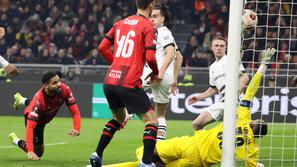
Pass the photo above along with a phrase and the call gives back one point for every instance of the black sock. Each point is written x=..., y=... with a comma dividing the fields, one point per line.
x=109, y=130
x=27, y=102
x=22, y=145
x=149, y=142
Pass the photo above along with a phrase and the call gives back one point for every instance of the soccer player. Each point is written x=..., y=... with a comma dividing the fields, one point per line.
x=133, y=40
x=205, y=147
x=41, y=110
x=217, y=81
x=169, y=62
x=9, y=68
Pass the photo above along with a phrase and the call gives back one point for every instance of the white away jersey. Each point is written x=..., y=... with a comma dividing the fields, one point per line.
x=217, y=75
x=164, y=39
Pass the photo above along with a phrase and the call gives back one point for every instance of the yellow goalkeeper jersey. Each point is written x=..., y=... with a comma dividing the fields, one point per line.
x=209, y=142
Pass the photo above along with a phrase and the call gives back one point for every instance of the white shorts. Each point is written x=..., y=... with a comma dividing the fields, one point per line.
x=161, y=92
x=216, y=110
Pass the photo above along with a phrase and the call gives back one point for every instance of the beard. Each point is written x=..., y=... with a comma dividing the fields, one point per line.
x=54, y=91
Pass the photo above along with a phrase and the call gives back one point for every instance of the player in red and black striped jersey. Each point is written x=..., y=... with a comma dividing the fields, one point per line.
x=42, y=109
x=133, y=41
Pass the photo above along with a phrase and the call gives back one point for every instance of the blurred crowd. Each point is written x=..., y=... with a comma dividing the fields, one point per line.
x=277, y=27
x=69, y=31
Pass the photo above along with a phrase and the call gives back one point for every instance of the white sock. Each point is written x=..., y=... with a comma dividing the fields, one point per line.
x=16, y=141
x=162, y=128
x=22, y=101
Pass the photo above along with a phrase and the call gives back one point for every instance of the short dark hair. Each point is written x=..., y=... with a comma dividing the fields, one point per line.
x=164, y=10
x=218, y=38
x=47, y=76
x=143, y=4
x=260, y=129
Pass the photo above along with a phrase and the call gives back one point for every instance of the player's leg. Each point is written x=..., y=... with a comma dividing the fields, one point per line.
x=212, y=113
x=38, y=141
x=118, y=111
x=137, y=101
x=161, y=96
x=161, y=109
x=19, y=101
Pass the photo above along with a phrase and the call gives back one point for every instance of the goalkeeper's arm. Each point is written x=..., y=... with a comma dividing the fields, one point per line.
x=255, y=82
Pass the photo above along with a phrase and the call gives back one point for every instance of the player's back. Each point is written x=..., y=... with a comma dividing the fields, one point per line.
x=131, y=36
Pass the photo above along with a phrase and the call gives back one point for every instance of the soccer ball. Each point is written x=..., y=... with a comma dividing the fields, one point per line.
x=249, y=19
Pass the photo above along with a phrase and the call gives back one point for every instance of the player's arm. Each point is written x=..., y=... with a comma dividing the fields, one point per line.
x=243, y=81
x=73, y=108
x=177, y=68
x=150, y=51
x=209, y=92
x=105, y=45
x=32, y=120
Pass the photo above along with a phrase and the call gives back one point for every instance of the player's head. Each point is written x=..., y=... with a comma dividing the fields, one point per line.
x=259, y=128
x=145, y=4
x=160, y=15
x=51, y=81
x=218, y=46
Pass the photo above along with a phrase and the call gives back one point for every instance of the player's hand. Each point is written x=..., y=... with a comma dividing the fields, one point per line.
x=11, y=70
x=173, y=88
x=294, y=81
x=267, y=55
x=2, y=32
x=193, y=99
x=32, y=155
x=260, y=165
x=152, y=79
x=73, y=133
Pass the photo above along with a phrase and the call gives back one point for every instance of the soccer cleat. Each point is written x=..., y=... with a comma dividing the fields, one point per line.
x=146, y=165
x=13, y=137
x=95, y=160
x=17, y=99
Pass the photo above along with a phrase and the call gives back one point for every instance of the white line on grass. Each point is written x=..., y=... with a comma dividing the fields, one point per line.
x=49, y=144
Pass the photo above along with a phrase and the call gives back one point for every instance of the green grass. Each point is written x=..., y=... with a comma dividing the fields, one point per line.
x=76, y=151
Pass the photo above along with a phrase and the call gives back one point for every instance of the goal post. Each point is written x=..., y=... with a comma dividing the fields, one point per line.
x=232, y=83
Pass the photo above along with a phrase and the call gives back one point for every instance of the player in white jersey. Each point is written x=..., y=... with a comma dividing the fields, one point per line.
x=9, y=68
x=217, y=81
x=169, y=61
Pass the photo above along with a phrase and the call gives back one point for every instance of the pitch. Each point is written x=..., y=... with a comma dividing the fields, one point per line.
x=64, y=151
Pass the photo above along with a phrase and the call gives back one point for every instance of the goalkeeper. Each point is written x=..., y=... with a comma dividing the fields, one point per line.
x=205, y=147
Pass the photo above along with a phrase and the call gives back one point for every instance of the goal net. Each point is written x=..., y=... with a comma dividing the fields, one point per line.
x=276, y=101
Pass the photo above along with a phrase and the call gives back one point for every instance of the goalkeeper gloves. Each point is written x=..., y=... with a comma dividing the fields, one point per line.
x=267, y=55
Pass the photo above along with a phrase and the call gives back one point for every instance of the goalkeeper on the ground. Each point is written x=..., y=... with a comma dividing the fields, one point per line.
x=205, y=147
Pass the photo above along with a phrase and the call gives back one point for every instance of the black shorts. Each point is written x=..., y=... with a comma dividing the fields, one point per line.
x=134, y=99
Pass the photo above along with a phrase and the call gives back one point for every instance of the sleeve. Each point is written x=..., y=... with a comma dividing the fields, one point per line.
x=73, y=108
x=106, y=43
x=165, y=38
x=3, y=62
x=31, y=123
x=211, y=81
x=150, y=49
x=244, y=113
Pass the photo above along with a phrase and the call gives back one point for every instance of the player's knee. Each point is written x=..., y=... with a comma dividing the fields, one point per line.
x=197, y=125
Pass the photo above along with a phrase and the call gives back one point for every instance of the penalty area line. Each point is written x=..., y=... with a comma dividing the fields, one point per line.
x=49, y=144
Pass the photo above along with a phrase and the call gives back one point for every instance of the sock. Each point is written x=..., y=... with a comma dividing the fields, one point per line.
x=162, y=128
x=22, y=145
x=149, y=142
x=23, y=101
x=27, y=102
x=109, y=130
x=16, y=141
